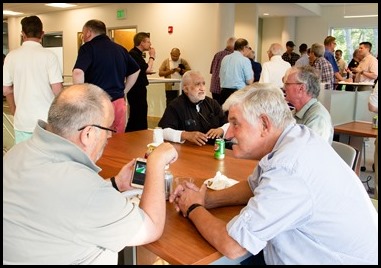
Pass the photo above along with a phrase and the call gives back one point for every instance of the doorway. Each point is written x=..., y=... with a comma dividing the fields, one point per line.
x=123, y=36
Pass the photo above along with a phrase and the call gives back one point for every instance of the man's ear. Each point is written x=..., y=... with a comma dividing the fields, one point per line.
x=85, y=136
x=265, y=124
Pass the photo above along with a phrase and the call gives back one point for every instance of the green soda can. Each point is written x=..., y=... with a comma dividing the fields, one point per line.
x=219, y=149
x=375, y=122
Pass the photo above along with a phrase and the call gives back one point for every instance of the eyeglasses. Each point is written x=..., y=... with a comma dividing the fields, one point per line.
x=293, y=83
x=98, y=126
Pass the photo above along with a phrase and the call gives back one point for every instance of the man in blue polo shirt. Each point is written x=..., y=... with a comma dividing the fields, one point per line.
x=330, y=44
x=108, y=65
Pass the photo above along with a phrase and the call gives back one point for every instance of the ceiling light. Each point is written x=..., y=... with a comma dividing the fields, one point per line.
x=11, y=13
x=360, y=16
x=61, y=5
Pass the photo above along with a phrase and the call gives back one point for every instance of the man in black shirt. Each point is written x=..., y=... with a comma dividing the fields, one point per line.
x=193, y=116
x=137, y=96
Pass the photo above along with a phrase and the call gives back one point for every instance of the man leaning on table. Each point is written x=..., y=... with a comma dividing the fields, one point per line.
x=57, y=209
x=193, y=116
x=296, y=210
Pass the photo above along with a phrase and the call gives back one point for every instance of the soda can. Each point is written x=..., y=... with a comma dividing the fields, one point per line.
x=375, y=122
x=219, y=149
x=168, y=181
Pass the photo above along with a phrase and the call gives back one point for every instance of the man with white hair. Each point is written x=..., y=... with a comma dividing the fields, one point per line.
x=193, y=116
x=274, y=69
x=295, y=210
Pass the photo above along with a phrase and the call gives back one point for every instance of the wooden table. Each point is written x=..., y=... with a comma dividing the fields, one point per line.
x=357, y=128
x=180, y=243
x=353, y=133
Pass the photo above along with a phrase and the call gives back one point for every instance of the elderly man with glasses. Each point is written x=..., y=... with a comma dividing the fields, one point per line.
x=301, y=88
x=57, y=209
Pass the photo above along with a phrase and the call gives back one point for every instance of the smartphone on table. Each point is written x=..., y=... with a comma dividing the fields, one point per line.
x=139, y=173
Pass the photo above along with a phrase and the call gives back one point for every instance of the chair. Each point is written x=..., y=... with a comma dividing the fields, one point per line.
x=349, y=154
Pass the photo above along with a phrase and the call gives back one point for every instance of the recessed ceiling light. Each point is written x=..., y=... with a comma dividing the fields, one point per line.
x=266, y=14
x=61, y=5
x=360, y=16
x=11, y=13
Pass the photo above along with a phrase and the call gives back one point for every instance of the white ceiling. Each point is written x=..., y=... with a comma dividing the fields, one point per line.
x=40, y=8
x=274, y=9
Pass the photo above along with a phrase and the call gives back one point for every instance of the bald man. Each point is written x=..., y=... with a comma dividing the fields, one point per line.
x=56, y=207
x=173, y=67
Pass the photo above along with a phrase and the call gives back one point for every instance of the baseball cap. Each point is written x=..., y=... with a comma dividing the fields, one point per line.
x=290, y=44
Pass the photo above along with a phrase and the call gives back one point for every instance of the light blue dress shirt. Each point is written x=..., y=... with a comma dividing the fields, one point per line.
x=309, y=207
x=235, y=71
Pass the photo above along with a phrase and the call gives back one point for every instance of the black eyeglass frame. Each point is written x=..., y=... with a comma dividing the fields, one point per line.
x=98, y=126
x=293, y=83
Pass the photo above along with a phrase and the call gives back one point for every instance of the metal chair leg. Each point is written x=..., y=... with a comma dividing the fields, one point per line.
x=363, y=168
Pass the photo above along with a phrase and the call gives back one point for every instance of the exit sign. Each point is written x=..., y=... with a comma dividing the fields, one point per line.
x=120, y=14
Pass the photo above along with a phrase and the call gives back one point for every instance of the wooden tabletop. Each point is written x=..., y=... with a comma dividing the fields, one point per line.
x=355, y=83
x=180, y=243
x=357, y=128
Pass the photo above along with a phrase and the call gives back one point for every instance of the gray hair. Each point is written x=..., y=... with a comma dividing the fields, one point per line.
x=261, y=98
x=75, y=107
x=318, y=49
x=188, y=77
x=309, y=76
x=276, y=49
x=97, y=26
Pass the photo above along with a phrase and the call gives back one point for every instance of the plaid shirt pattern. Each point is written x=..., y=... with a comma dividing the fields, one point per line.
x=215, y=71
x=326, y=72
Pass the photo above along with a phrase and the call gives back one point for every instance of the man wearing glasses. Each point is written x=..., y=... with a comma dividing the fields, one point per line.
x=302, y=88
x=56, y=207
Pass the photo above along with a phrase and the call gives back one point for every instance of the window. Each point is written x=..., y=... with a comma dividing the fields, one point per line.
x=348, y=39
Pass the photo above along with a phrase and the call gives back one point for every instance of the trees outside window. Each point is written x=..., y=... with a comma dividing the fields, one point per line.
x=348, y=39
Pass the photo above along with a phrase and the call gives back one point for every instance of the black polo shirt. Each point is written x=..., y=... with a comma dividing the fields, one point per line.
x=106, y=64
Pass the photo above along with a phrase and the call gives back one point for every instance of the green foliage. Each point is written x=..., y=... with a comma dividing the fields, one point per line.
x=348, y=39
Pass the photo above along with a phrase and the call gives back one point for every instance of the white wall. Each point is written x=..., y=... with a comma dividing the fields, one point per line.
x=311, y=30
x=200, y=30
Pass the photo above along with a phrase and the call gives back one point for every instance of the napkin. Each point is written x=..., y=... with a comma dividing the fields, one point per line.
x=219, y=182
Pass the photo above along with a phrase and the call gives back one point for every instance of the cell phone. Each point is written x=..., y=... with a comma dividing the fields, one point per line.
x=139, y=173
